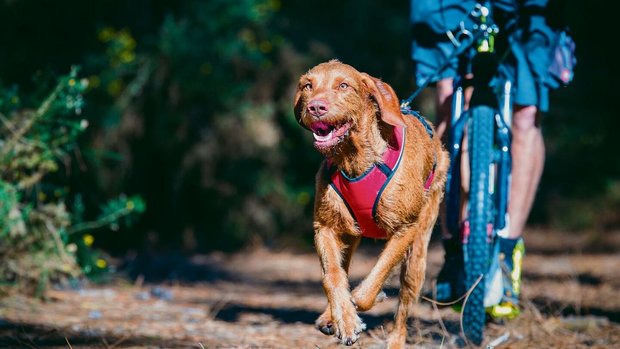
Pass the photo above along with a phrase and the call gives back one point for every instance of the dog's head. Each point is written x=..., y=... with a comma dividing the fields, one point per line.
x=341, y=105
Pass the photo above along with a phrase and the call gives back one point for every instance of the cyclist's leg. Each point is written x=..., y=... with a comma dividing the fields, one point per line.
x=528, y=157
x=528, y=153
x=443, y=103
x=443, y=100
x=451, y=274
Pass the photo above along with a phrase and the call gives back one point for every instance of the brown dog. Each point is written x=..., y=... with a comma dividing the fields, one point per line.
x=358, y=126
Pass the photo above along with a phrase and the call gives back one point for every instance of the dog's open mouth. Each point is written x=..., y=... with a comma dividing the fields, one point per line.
x=327, y=135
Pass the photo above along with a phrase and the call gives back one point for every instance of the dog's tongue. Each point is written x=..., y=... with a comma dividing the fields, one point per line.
x=322, y=132
x=321, y=128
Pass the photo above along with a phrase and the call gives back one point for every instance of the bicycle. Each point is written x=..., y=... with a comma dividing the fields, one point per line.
x=485, y=126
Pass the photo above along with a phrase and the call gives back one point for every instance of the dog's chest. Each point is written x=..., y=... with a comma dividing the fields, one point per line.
x=361, y=195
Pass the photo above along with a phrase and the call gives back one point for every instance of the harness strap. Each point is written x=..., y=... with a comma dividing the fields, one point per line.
x=361, y=194
x=407, y=111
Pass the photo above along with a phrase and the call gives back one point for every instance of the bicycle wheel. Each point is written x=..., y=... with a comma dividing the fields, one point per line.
x=476, y=246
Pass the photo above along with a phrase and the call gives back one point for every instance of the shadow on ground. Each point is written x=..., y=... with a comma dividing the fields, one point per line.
x=21, y=335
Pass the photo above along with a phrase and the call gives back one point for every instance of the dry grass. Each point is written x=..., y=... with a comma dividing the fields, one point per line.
x=271, y=299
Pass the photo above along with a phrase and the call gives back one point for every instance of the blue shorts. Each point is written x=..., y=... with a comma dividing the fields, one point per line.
x=528, y=42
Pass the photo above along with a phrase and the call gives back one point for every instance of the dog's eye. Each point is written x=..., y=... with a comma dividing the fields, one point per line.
x=343, y=85
x=307, y=87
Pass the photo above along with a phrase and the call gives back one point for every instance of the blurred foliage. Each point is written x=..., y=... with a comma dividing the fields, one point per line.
x=189, y=106
x=40, y=239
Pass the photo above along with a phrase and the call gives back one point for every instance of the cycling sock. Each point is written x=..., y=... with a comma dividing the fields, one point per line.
x=511, y=258
x=511, y=253
x=507, y=245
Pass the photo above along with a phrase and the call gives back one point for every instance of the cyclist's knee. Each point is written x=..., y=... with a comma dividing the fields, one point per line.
x=525, y=118
x=444, y=89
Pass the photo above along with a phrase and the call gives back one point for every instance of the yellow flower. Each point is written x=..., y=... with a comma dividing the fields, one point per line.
x=303, y=198
x=130, y=205
x=275, y=4
x=115, y=87
x=94, y=81
x=127, y=56
x=265, y=46
x=247, y=36
x=41, y=196
x=88, y=239
x=101, y=263
x=125, y=38
x=106, y=34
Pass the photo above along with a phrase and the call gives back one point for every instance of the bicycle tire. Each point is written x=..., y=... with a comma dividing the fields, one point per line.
x=476, y=246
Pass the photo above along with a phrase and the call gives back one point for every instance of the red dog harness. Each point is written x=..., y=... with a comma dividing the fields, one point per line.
x=361, y=195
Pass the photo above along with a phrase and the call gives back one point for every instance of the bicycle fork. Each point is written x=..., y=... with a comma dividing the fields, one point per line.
x=499, y=180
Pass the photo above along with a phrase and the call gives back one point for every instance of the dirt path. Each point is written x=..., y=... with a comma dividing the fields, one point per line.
x=270, y=300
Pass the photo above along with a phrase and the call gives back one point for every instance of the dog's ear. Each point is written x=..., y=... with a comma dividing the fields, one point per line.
x=297, y=104
x=386, y=99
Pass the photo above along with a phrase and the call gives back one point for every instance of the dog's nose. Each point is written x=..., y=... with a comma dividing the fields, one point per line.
x=317, y=107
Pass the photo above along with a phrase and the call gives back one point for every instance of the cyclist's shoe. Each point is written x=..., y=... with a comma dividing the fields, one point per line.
x=451, y=278
x=511, y=253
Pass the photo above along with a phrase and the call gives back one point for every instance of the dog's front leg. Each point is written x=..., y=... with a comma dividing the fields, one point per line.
x=330, y=246
x=396, y=247
x=325, y=323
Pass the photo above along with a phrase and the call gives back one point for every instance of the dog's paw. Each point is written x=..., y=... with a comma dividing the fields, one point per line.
x=348, y=329
x=325, y=324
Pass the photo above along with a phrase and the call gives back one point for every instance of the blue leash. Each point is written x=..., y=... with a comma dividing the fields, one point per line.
x=407, y=111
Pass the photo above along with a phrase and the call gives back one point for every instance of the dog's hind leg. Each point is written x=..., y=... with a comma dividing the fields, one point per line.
x=411, y=280
x=330, y=245
x=325, y=323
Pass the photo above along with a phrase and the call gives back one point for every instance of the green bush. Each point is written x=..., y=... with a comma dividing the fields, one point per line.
x=41, y=239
